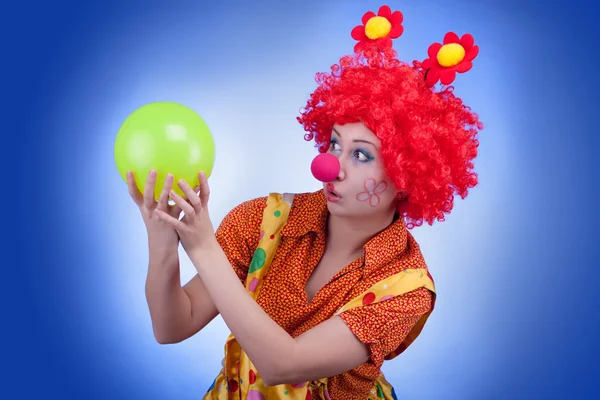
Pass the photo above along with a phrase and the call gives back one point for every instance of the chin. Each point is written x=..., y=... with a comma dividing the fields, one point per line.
x=339, y=210
x=335, y=208
x=343, y=210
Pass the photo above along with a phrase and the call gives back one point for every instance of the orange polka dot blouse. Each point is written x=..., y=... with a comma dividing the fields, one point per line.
x=382, y=326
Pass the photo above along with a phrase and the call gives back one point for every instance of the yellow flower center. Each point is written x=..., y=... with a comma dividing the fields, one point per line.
x=450, y=54
x=377, y=27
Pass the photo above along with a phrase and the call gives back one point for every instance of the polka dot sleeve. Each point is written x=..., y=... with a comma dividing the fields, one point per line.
x=238, y=234
x=383, y=326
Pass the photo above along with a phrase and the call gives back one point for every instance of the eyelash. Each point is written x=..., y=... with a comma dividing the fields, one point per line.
x=363, y=152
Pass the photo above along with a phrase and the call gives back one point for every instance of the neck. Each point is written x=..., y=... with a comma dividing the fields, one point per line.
x=349, y=235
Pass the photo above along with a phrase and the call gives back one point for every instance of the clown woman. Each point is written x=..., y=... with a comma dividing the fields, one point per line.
x=320, y=289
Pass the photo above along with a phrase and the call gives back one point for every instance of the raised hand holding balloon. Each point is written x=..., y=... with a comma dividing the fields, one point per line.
x=195, y=229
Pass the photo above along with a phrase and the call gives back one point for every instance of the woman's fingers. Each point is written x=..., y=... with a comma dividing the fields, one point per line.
x=175, y=210
x=163, y=200
x=168, y=219
x=192, y=197
x=187, y=208
x=204, y=189
x=149, y=189
x=134, y=192
x=190, y=204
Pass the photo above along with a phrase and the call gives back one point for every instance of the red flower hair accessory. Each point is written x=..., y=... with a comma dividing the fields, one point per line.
x=378, y=30
x=445, y=60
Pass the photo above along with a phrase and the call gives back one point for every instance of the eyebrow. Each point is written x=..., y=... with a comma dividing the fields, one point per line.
x=357, y=140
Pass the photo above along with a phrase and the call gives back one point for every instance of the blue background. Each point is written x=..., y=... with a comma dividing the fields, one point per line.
x=515, y=263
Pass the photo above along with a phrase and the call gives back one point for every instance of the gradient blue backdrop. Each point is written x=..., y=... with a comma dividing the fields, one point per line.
x=515, y=263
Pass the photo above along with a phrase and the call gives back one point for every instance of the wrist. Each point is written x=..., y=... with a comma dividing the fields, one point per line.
x=163, y=253
x=202, y=255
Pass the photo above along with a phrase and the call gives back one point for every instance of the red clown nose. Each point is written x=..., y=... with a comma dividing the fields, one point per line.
x=325, y=167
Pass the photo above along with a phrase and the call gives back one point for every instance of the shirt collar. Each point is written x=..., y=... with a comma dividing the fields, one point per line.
x=309, y=214
x=386, y=246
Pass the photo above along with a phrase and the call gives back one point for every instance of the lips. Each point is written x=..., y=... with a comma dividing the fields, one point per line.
x=331, y=189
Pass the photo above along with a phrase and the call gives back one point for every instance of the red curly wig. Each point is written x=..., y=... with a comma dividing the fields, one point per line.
x=428, y=138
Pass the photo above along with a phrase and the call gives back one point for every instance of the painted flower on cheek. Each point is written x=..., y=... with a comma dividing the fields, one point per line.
x=372, y=189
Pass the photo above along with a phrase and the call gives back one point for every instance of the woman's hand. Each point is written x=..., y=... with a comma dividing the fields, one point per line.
x=195, y=229
x=163, y=238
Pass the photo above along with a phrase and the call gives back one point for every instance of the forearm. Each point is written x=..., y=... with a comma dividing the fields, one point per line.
x=169, y=305
x=265, y=342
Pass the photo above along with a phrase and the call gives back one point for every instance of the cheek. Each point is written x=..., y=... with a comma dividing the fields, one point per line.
x=373, y=191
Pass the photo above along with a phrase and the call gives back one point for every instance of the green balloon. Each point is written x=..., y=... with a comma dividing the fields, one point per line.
x=169, y=138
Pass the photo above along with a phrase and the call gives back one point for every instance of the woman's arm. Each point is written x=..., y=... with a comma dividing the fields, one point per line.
x=191, y=309
x=329, y=349
x=326, y=350
x=177, y=312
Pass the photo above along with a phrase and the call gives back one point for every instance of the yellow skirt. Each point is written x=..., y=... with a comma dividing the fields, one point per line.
x=230, y=389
